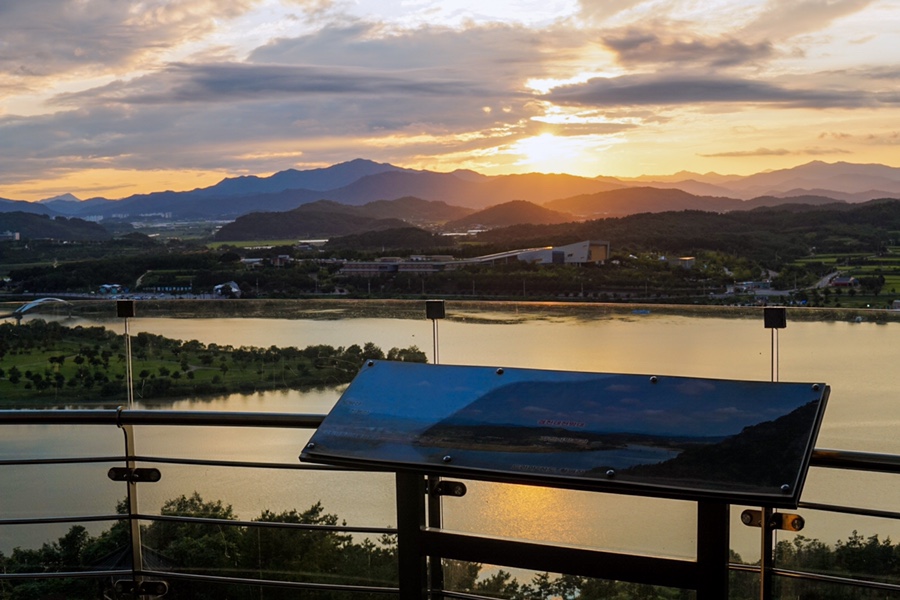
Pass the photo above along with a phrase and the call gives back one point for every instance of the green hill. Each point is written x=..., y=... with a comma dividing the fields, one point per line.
x=32, y=226
x=403, y=238
x=325, y=218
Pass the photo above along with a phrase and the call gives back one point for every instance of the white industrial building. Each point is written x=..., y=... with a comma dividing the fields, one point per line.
x=579, y=253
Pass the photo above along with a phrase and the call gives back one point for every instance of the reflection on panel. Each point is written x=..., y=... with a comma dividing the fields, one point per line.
x=500, y=582
x=360, y=499
x=63, y=490
x=268, y=552
x=865, y=551
x=60, y=441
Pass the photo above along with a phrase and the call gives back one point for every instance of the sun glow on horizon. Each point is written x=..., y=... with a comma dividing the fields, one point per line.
x=111, y=183
x=549, y=153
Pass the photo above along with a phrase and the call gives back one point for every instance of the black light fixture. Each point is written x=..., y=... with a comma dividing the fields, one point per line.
x=774, y=318
x=434, y=310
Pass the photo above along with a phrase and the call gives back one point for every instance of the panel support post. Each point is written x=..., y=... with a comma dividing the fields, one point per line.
x=713, y=541
x=412, y=563
x=766, y=558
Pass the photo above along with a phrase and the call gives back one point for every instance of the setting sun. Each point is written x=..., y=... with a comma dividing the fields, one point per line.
x=548, y=153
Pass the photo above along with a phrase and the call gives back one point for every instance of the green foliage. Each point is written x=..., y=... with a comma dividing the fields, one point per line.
x=312, y=549
x=48, y=361
x=308, y=551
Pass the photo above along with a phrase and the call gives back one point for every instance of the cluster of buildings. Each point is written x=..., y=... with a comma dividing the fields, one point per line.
x=579, y=253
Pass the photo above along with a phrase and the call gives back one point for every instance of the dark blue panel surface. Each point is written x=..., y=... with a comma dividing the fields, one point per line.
x=741, y=441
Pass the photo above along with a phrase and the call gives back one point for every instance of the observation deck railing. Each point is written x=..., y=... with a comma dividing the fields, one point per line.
x=140, y=579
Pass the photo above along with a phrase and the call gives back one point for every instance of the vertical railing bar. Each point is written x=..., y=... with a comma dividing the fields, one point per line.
x=435, y=521
x=766, y=549
x=137, y=558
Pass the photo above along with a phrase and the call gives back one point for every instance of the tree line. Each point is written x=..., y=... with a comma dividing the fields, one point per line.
x=44, y=361
x=330, y=555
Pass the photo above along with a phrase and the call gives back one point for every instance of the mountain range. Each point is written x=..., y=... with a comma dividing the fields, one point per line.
x=362, y=182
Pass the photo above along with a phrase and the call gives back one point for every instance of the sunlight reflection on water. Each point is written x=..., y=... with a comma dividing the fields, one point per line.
x=856, y=359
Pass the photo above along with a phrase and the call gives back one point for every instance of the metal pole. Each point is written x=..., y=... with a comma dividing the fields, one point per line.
x=765, y=555
x=129, y=373
x=435, y=521
x=434, y=507
x=777, y=355
x=434, y=338
x=137, y=558
x=773, y=356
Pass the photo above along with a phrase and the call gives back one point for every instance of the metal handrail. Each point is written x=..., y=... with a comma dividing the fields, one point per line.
x=872, y=462
x=268, y=524
x=820, y=577
x=821, y=458
x=196, y=418
x=296, y=585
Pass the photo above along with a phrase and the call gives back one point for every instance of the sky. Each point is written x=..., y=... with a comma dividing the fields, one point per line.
x=109, y=98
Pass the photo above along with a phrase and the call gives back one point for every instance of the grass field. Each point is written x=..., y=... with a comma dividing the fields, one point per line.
x=44, y=362
x=861, y=265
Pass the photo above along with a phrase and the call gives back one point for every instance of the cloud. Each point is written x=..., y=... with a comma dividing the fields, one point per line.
x=674, y=90
x=785, y=20
x=601, y=10
x=419, y=92
x=750, y=153
x=47, y=38
x=634, y=46
x=229, y=82
x=386, y=96
x=777, y=152
x=498, y=53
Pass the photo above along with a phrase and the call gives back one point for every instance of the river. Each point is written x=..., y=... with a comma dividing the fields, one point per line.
x=855, y=358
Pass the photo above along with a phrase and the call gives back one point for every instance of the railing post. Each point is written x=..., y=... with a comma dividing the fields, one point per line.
x=435, y=521
x=137, y=557
x=713, y=541
x=412, y=565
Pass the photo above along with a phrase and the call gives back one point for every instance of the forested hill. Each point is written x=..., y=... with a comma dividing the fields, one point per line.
x=783, y=233
x=629, y=201
x=402, y=240
x=32, y=226
x=327, y=219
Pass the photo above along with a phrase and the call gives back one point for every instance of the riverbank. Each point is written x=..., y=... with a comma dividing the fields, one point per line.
x=465, y=310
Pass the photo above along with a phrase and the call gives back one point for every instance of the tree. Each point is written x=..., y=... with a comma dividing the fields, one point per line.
x=411, y=354
x=197, y=547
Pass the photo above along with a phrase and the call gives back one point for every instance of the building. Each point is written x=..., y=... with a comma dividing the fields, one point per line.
x=844, y=282
x=580, y=253
x=229, y=289
x=111, y=288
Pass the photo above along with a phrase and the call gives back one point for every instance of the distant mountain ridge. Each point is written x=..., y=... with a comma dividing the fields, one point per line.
x=360, y=182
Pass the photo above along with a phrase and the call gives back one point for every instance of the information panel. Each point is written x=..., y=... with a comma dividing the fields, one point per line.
x=739, y=441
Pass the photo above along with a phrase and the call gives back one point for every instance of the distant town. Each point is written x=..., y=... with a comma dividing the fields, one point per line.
x=543, y=237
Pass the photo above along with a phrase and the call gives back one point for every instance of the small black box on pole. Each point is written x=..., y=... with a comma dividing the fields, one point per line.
x=434, y=309
x=125, y=308
x=775, y=317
